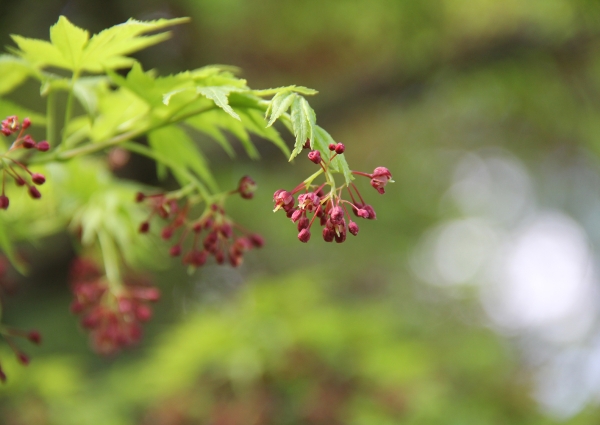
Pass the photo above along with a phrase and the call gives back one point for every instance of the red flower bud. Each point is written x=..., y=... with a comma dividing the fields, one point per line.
x=38, y=178
x=340, y=148
x=4, y=202
x=144, y=227
x=43, y=146
x=28, y=142
x=34, y=192
x=315, y=156
x=34, y=336
x=304, y=235
x=353, y=228
x=26, y=123
x=247, y=187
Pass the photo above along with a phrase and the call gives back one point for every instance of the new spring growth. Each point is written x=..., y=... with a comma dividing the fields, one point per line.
x=331, y=210
x=212, y=233
x=14, y=169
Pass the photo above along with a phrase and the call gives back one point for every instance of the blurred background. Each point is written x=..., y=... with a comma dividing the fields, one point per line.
x=474, y=297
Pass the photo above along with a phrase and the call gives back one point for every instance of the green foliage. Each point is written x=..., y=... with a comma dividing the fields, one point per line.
x=71, y=48
x=108, y=110
x=292, y=339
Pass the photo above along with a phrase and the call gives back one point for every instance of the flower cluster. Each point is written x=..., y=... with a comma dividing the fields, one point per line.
x=17, y=170
x=329, y=208
x=113, y=316
x=9, y=334
x=212, y=233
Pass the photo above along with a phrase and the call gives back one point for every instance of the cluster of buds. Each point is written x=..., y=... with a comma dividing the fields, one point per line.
x=9, y=334
x=17, y=170
x=212, y=233
x=331, y=210
x=113, y=316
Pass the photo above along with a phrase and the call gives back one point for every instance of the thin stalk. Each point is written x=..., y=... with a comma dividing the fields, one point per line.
x=111, y=261
x=69, y=108
x=51, y=118
x=123, y=137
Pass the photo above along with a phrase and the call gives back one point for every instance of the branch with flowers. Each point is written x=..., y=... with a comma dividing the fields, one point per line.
x=110, y=219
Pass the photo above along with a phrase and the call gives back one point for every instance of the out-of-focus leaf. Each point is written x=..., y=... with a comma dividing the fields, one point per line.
x=175, y=145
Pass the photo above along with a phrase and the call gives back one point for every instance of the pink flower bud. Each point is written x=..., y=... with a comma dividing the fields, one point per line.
x=303, y=223
x=353, y=228
x=247, y=187
x=336, y=215
x=144, y=227
x=340, y=148
x=167, y=232
x=315, y=156
x=28, y=142
x=328, y=234
x=332, y=147
x=43, y=146
x=26, y=123
x=4, y=202
x=257, y=240
x=380, y=177
x=304, y=235
x=296, y=215
x=175, y=250
x=143, y=313
x=23, y=358
x=34, y=336
x=34, y=192
x=38, y=178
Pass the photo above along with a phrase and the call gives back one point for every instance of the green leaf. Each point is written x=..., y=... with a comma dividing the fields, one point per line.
x=279, y=105
x=219, y=94
x=71, y=48
x=88, y=89
x=70, y=41
x=39, y=53
x=13, y=71
x=303, y=123
x=287, y=89
x=204, y=124
x=254, y=122
x=174, y=144
x=107, y=49
x=9, y=250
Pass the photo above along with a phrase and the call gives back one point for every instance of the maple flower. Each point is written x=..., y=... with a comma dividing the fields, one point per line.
x=113, y=317
x=213, y=233
x=13, y=169
x=331, y=210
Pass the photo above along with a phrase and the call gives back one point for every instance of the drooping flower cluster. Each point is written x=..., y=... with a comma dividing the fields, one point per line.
x=212, y=233
x=17, y=170
x=113, y=316
x=331, y=210
x=9, y=334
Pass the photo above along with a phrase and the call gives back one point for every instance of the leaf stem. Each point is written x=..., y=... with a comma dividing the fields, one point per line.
x=51, y=118
x=69, y=109
x=123, y=137
x=111, y=260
